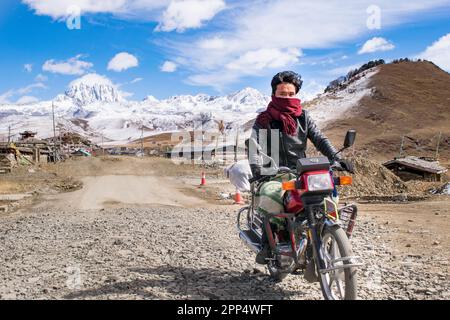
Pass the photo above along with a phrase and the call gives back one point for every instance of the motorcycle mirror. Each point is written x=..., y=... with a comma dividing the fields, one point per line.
x=350, y=138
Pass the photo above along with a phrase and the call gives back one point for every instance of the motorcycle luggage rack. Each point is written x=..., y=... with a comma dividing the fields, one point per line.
x=248, y=236
x=238, y=224
x=347, y=218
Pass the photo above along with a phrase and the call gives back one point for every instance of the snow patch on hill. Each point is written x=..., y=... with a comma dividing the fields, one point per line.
x=331, y=106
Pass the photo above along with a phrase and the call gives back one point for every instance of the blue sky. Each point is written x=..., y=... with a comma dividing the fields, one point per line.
x=207, y=46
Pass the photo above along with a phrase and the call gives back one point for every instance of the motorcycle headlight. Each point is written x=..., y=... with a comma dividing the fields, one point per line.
x=319, y=182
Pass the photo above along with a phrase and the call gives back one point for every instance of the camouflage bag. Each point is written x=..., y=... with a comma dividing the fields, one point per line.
x=269, y=197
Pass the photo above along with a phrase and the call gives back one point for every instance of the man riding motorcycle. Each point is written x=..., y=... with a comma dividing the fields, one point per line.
x=285, y=120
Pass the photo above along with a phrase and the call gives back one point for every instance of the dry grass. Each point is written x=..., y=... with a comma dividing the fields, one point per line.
x=411, y=98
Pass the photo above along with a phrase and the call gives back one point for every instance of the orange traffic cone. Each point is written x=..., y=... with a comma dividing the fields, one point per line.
x=238, y=197
x=203, y=181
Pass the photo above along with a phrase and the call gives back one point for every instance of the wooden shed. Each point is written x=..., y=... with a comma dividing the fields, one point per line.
x=414, y=168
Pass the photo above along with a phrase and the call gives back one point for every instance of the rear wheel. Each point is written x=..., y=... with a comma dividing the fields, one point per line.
x=341, y=283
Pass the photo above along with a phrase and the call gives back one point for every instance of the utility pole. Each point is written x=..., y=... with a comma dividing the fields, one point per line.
x=236, y=147
x=142, y=139
x=103, y=146
x=217, y=145
x=438, y=143
x=401, y=146
x=9, y=135
x=54, y=131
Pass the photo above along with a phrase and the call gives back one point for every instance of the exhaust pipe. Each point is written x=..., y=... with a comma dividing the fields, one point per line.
x=255, y=247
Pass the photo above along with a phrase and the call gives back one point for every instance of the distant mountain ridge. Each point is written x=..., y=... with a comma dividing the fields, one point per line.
x=99, y=103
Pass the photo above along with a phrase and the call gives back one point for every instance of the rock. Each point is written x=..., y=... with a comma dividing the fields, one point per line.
x=431, y=291
x=256, y=271
x=436, y=243
x=408, y=245
x=224, y=196
x=117, y=242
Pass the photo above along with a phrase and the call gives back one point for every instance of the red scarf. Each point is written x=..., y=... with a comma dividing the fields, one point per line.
x=284, y=110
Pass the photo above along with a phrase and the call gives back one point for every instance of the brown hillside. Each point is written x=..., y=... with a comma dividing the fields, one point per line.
x=409, y=98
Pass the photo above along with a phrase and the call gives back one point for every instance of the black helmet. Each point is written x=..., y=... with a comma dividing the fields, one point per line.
x=287, y=77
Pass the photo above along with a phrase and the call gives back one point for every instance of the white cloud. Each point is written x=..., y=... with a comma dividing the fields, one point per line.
x=122, y=61
x=136, y=80
x=217, y=80
x=248, y=26
x=28, y=67
x=31, y=87
x=310, y=90
x=255, y=61
x=4, y=97
x=186, y=14
x=41, y=78
x=73, y=66
x=215, y=43
x=169, y=66
x=27, y=100
x=376, y=44
x=92, y=79
x=58, y=9
x=439, y=53
x=126, y=94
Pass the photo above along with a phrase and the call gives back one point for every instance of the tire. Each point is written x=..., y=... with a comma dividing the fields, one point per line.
x=348, y=274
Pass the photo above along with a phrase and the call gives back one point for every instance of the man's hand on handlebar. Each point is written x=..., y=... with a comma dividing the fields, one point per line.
x=343, y=165
x=259, y=177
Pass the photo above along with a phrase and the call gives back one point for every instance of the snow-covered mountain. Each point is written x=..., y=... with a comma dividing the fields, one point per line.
x=93, y=107
x=93, y=88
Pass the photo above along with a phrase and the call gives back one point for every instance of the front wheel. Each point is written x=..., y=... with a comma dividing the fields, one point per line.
x=340, y=283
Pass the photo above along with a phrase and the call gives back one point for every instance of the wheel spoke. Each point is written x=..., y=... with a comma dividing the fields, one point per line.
x=332, y=253
x=335, y=281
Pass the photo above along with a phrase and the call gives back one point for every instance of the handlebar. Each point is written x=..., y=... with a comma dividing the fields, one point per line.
x=335, y=167
x=265, y=177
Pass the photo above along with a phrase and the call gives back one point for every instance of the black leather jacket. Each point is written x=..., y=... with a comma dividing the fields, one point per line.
x=291, y=147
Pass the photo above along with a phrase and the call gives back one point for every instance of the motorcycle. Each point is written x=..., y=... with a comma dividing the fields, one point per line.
x=315, y=242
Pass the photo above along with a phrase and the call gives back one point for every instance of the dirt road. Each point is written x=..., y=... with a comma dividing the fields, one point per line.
x=122, y=237
x=183, y=253
x=123, y=191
